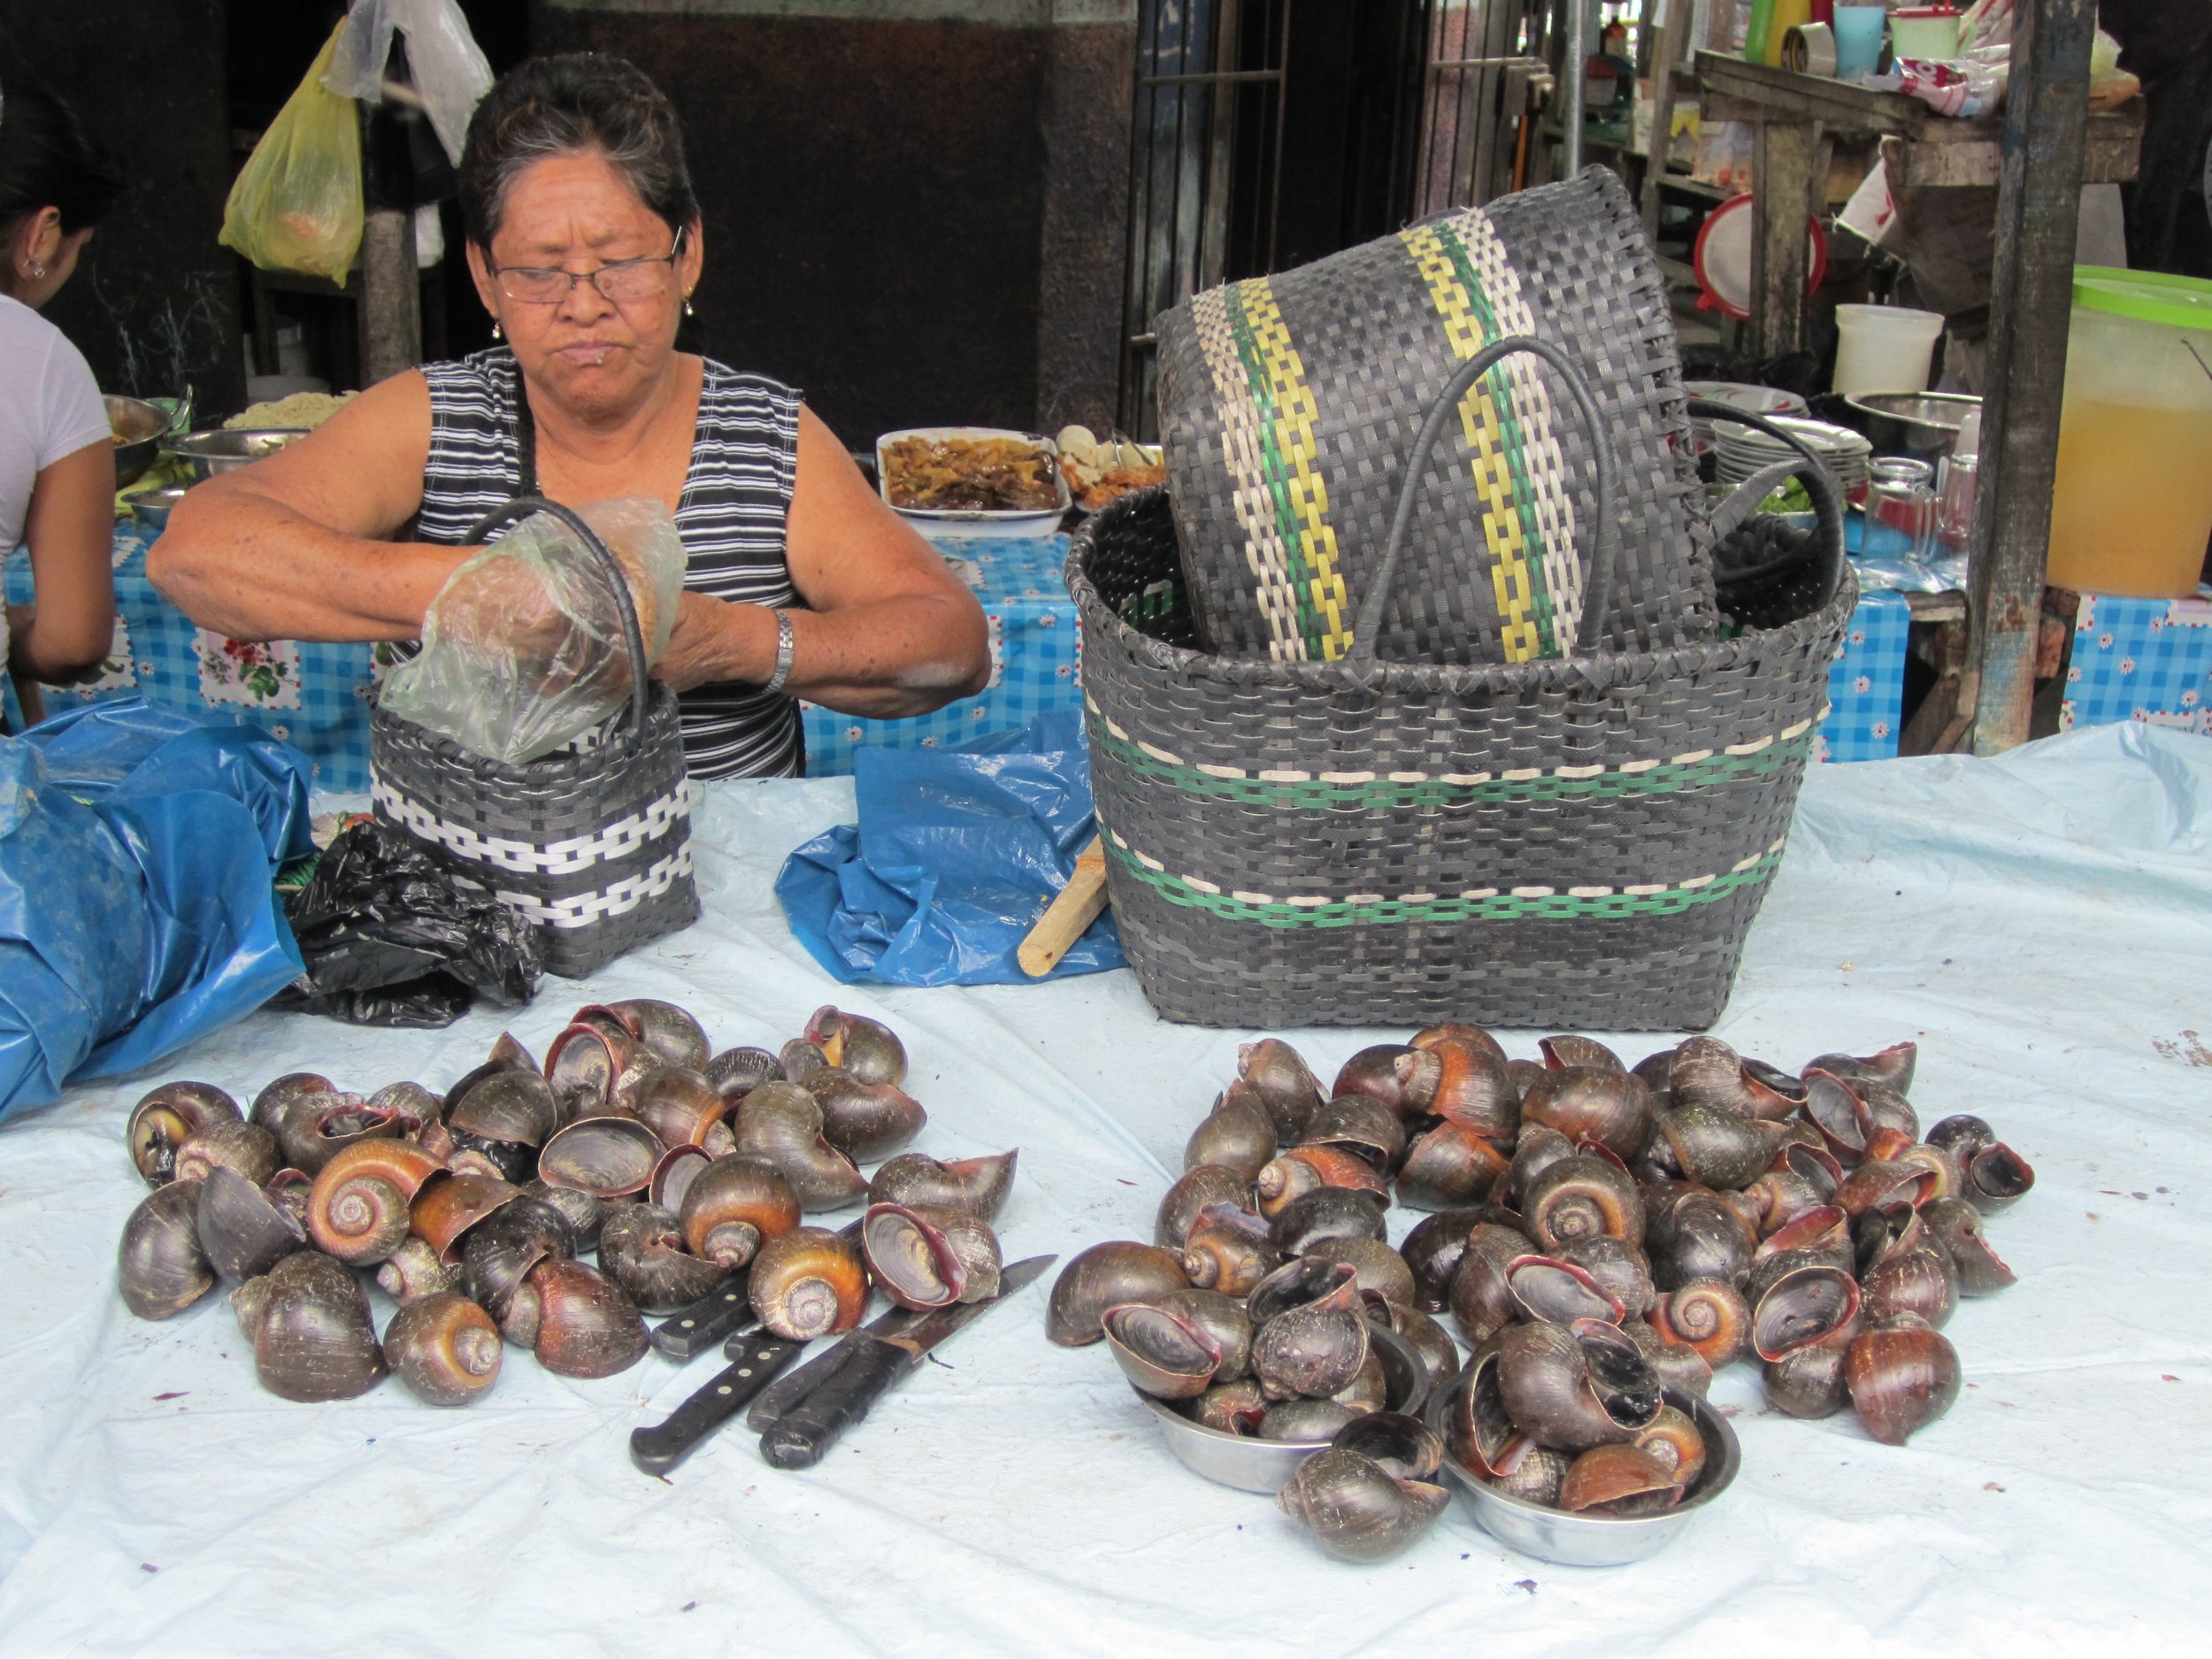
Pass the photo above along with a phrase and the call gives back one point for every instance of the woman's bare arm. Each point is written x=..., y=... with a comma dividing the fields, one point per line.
x=891, y=631
x=70, y=527
x=293, y=547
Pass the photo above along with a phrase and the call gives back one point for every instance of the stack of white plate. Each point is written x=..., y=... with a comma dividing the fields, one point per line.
x=1757, y=400
x=1740, y=451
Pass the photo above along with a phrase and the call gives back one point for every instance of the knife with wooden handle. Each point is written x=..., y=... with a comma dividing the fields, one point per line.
x=758, y=1358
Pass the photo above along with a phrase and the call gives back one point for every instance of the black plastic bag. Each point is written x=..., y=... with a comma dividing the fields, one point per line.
x=393, y=936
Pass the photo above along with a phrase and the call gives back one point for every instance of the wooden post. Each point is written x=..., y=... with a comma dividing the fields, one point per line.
x=1781, y=183
x=2038, y=198
x=391, y=296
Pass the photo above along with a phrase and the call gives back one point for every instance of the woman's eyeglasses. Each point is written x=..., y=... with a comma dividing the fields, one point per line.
x=623, y=281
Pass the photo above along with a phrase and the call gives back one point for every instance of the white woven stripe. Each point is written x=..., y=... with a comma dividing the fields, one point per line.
x=620, y=840
x=583, y=909
x=1240, y=444
x=1545, y=471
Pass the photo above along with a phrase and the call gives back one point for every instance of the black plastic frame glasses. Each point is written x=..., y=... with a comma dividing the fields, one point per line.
x=622, y=281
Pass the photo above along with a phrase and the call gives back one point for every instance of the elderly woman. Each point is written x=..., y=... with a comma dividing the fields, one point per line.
x=585, y=244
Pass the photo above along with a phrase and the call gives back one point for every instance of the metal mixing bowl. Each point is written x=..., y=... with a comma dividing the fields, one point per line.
x=1600, y=1540
x=138, y=426
x=208, y=453
x=152, y=509
x=1922, y=425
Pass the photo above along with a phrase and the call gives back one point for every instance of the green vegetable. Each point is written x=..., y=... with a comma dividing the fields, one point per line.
x=1791, y=497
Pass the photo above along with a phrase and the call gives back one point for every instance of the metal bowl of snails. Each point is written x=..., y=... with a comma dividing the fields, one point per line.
x=1589, y=1538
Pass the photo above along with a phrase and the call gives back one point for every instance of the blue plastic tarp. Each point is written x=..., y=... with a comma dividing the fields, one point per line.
x=138, y=845
x=955, y=856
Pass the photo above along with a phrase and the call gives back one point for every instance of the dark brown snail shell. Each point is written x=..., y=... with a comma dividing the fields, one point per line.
x=1995, y=1177
x=1808, y=1383
x=1581, y=1195
x=504, y=1104
x=1534, y=1473
x=1375, y=1266
x=312, y=1339
x=809, y=1282
x=1447, y=1165
x=978, y=1186
x=1701, y=1238
x=1327, y=1212
x=444, y=1347
x=1678, y=1366
x=1481, y=1301
x=499, y=1254
x=1228, y=1250
x=1313, y=1350
x=583, y=1211
x=1795, y=1302
x=243, y=1232
x=607, y=1157
x=1957, y=1224
x=579, y=1320
x=672, y=1035
x=161, y=1123
x=682, y=1109
x=1619, y=1267
x=801, y=1059
x=1546, y=1288
x=508, y=1050
x=413, y=1270
x=735, y=1206
x=606, y=1017
x=1305, y=1422
x=357, y=1210
x=1358, y=1511
x=277, y=1098
x=1221, y=1317
x=1919, y=1281
x=1612, y=1109
x=1619, y=1480
x=1195, y=1190
x=1536, y=1151
x=1373, y=1072
x=449, y=1205
x=1879, y=1181
x=1104, y=1276
x=1284, y=1083
x=1707, y=1316
x=1887, y=1109
x=1478, y=1430
x=1237, y=1407
x=1892, y=1067
x=228, y=1144
x=160, y=1265
x=1370, y=1387
x=1360, y=1124
x=1432, y=1250
x=1567, y=1051
x=1716, y=1147
x=1238, y=1135
x=1162, y=1353
x=1903, y=1376
x=782, y=1123
x=913, y=1258
x=673, y=1175
x=642, y=1249
x=1404, y=1445
x=1305, y=1168
x=1703, y=1071
x=1427, y=1341
x=870, y=1049
x=1833, y=1106
x=1824, y=1231
x=411, y=1108
x=1574, y=1388
x=867, y=1121
x=1300, y=1280
x=314, y=1127
x=581, y=1065
x=737, y=1072
x=1464, y=1083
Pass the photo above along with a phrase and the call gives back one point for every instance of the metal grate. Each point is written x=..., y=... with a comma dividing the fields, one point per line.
x=1488, y=75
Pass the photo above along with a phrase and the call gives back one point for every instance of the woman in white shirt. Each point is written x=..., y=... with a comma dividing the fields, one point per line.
x=56, y=454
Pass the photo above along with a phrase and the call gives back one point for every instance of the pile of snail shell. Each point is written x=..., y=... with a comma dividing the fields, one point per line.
x=634, y=1139
x=1598, y=1234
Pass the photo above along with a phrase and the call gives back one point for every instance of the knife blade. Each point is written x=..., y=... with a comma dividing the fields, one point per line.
x=887, y=1351
x=659, y=1447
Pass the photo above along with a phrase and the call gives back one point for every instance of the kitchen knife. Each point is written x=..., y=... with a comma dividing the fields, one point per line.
x=754, y=1362
x=690, y=1331
x=793, y=1386
x=888, y=1350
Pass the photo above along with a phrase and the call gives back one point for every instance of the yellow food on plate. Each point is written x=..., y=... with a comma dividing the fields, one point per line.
x=301, y=410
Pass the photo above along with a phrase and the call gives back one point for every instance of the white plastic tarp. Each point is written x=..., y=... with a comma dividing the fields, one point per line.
x=2040, y=925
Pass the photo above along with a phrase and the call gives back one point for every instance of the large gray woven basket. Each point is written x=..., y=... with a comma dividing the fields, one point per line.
x=593, y=842
x=1286, y=402
x=1571, y=843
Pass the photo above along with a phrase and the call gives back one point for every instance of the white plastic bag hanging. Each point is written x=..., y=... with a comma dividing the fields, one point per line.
x=449, y=71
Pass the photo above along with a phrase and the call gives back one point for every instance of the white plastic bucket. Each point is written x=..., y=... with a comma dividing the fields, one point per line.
x=1884, y=348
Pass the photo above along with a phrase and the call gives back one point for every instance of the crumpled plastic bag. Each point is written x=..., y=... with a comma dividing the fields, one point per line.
x=297, y=204
x=138, y=849
x=392, y=935
x=448, y=70
x=956, y=854
x=523, y=649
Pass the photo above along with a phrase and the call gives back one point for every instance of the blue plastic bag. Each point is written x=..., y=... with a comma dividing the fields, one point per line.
x=138, y=845
x=955, y=856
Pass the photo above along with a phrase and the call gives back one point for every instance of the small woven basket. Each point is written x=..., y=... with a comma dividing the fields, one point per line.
x=593, y=842
x=1575, y=843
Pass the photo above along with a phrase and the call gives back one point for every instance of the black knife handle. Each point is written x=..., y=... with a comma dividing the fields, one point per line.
x=811, y=1427
x=659, y=1449
x=690, y=1331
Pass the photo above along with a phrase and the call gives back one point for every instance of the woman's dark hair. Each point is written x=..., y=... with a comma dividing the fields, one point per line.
x=575, y=104
x=48, y=159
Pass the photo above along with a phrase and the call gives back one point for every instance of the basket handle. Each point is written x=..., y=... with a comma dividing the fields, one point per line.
x=1744, y=500
x=526, y=506
x=1596, y=587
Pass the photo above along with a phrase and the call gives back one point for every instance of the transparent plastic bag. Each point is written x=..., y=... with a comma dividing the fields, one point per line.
x=297, y=204
x=523, y=649
x=449, y=71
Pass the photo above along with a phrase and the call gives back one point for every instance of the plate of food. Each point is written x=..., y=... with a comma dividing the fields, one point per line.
x=1098, y=470
x=972, y=480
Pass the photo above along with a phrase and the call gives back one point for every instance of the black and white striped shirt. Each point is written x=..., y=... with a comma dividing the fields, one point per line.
x=737, y=496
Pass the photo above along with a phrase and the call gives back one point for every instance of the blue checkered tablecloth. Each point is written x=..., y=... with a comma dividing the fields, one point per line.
x=315, y=698
x=1034, y=657
x=1866, y=688
x=2141, y=659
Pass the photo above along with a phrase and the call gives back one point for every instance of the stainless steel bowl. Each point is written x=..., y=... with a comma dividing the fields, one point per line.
x=1923, y=425
x=152, y=508
x=138, y=427
x=1600, y=1541
x=208, y=453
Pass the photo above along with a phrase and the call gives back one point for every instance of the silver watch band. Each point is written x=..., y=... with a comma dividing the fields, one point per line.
x=783, y=652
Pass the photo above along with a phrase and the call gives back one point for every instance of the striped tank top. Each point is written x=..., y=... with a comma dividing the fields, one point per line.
x=736, y=497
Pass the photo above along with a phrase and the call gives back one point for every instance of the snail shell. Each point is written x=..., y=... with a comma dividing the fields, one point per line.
x=443, y=1347
x=1228, y=1250
x=1238, y=1135
x=1360, y=1125
x=1574, y=1388
x=1481, y=1301
x=1193, y=1191
x=312, y=1339
x=809, y=1282
x=1237, y=1407
x=978, y=1186
x=1701, y=1238
x=1314, y=1350
x=1478, y=1430
x=800, y=1059
x=577, y=1319
x=277, y=1099
x=243, y=1232
x=1619, y=1480
x=1375, y=1266
x=737, y=1072
x=1796, y=1301
x=1833, y=1106
x=1678, y=1366
x=1536, y=1151
x=673, y=1175
x=583, y=1211
x=160, y=1265
x=1903, y=1376
x=782, y=1123
x=1463, y=1083
x=1373, y=1072
x=448, y=1205
x=1305, y=1422
x=1300, y=1280
x=1581, y=1195
x=672, y=1035
x=929, y=1257
x=504, y=1104
x=1327, y=1212
x=866, y=1121
x=1162, y=1352
x=414, y=1271
x=357, y=1210
x=1429, y=1341
x=1305, y=1168
x=1674, y=1440
x=1703, y=1071
x=499, y=1254
x=1611, y=1108
x=1715, y=1147
x=1566, y=1052
x=1546, y=1288
x=1809, y=1382
x=1892, y=1067
x=1917, y=1281
x=508, y=1050
x=1432, y=1250
x=581, y=1065
x=1458, y=1031
x=1824, y=1231
x=228, y=1144
x=1447, y=1165
x=1709, y=1316
x=1104, y=1276
x=161, y=1123
x=608, y=1157
x=735, y=1205
x=1957, y=1224
x=1881, y=1182
x=1358, y=1511
x=642, y=1249
x=1619, y=1267
x=315, y=1126
x=868, y=1048
x=681, y=1108
x=1535, y=1475
x=1285, y=1084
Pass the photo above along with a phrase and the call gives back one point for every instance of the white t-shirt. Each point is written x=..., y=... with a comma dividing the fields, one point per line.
x=49, y=408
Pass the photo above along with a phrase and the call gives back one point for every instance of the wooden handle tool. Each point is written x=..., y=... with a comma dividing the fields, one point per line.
x=1076, y=908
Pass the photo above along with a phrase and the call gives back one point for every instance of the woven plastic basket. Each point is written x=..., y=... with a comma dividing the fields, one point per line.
x=1572, y=843
x=1285, y=403
x=593, y=842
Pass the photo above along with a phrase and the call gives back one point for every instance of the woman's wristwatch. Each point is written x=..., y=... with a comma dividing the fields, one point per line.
x=783, y=652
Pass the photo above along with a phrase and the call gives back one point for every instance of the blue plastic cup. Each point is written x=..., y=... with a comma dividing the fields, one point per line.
x=1858, y=31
